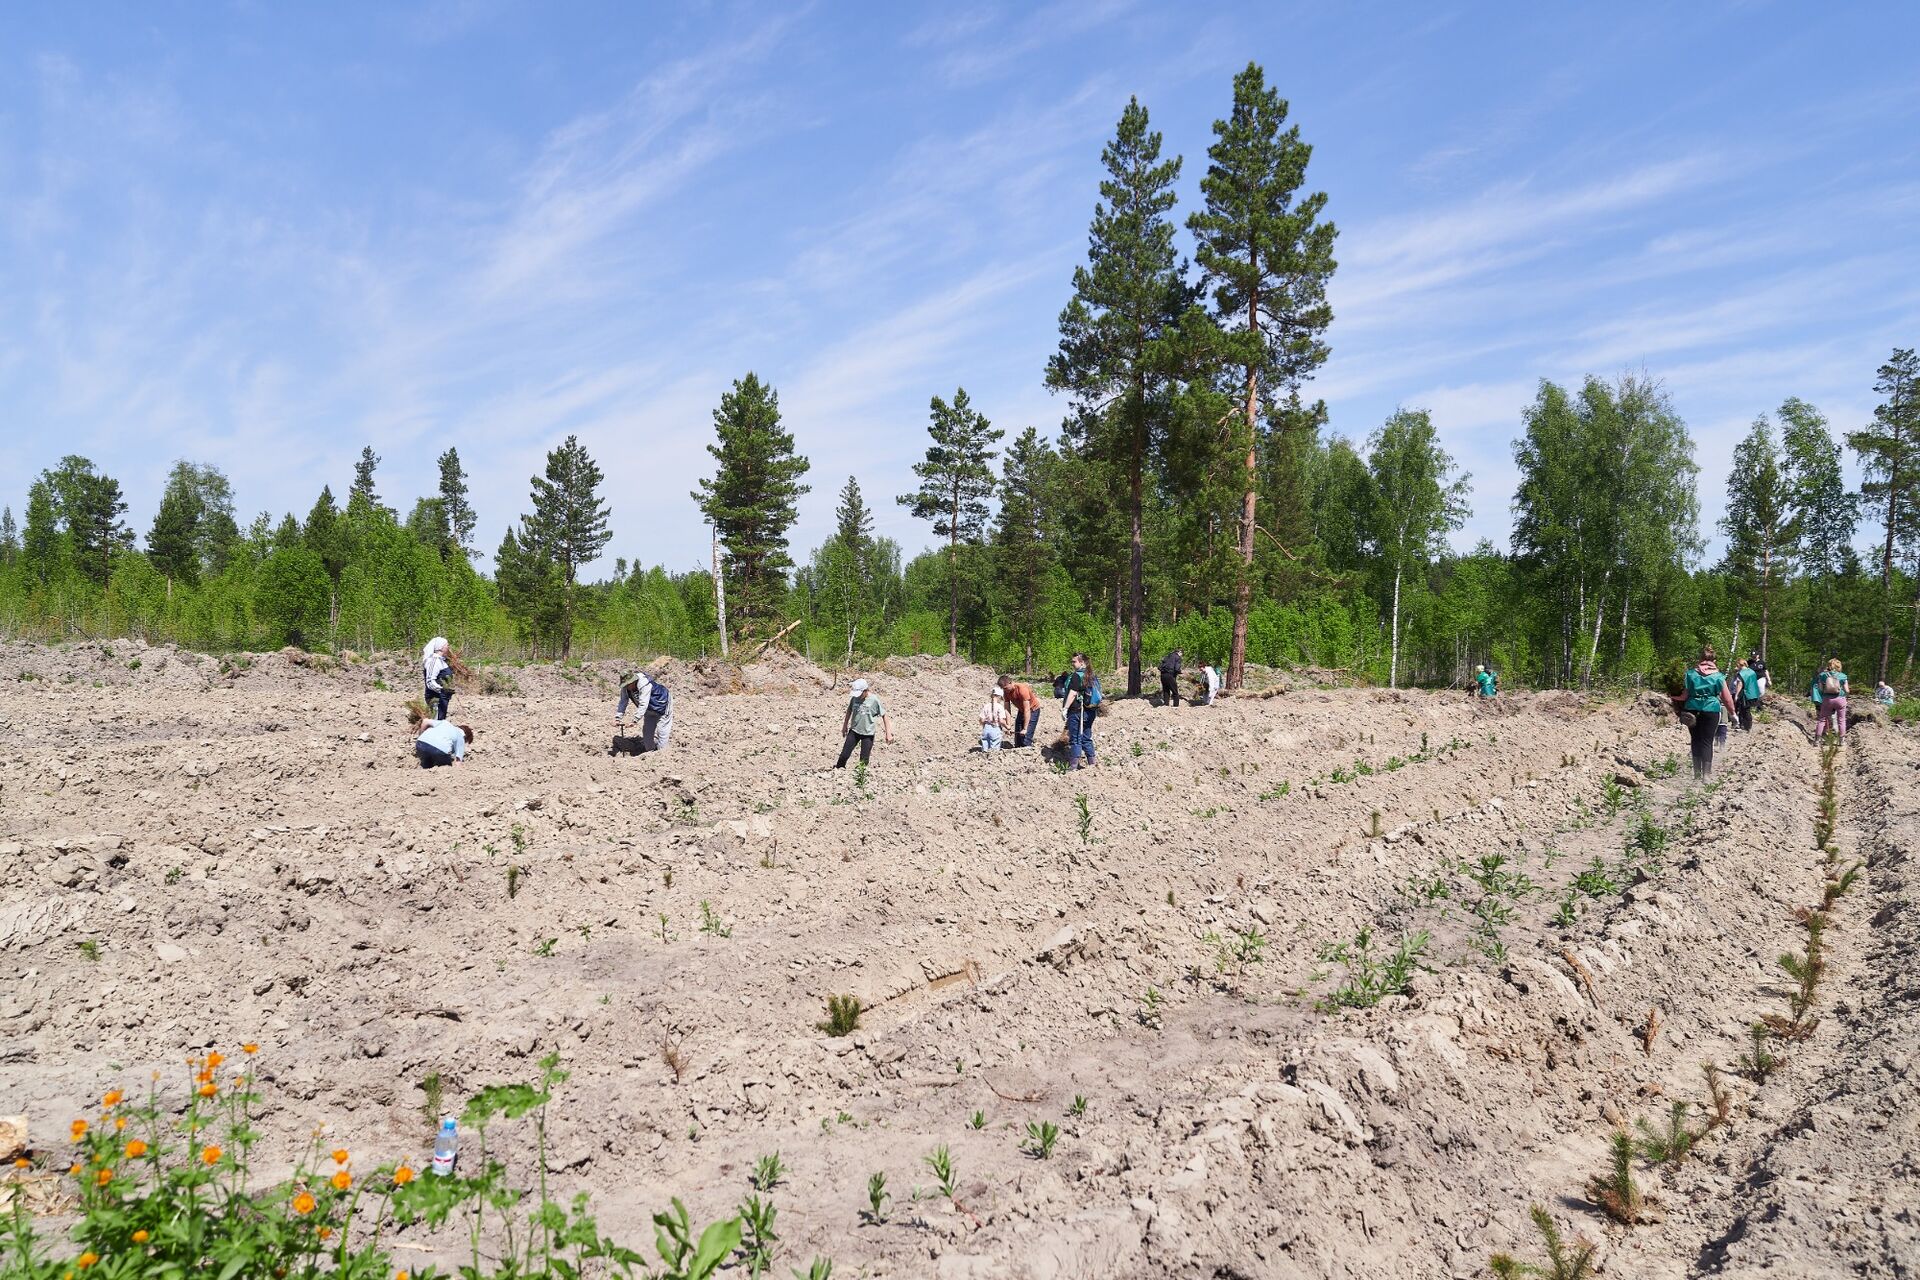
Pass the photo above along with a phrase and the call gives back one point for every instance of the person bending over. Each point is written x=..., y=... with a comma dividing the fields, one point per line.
x=442, y=742
x=655, y=705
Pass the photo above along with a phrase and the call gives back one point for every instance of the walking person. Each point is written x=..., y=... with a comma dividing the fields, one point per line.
x=1024, y=705
x=1830, y=699
x=1747, y=693
x=1759, y=668
x=1082, y=704
x=654, y=702
x=438, y=662
x=1170, y=679
x=1706, y=697
x=994, y=723
x=864, y=713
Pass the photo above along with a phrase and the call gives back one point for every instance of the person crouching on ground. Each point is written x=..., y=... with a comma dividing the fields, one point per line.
x=1485, y=683
x=993, y=720
x=655, y=705
x=442, y=742
x=438, y=661
x=863, y=713
x=1883, y=694
x=1830, y=699
x=1024, y=705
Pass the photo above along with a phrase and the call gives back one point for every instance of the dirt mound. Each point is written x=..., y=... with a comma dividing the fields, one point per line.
x=1328, y=984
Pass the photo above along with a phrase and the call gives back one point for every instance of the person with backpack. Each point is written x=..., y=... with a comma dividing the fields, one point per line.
x=1486, y=684
x=1024, y=705
x=1170, y=679
x=1704, y=697
x=864, y=713
x=1746, y=693
x=1082, y=704
x=1830, y=700
x=438, y=663
x=655, y=705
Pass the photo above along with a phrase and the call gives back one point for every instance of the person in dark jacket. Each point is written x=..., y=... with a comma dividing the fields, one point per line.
x=1170, y=679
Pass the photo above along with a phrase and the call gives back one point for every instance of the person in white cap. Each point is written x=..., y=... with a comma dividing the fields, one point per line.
x=863, y=713
x=994, y=724
x=655, y=706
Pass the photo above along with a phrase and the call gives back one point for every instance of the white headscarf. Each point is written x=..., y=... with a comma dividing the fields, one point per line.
x=430, y=660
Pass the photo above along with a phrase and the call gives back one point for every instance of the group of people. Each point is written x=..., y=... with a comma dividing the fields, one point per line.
x=1711, y=701
x=1206, y=686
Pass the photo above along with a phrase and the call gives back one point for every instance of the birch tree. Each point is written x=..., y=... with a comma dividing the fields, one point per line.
x=1417, y=502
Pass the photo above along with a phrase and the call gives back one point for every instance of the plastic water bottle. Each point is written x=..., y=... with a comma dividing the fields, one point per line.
x=446, y=1146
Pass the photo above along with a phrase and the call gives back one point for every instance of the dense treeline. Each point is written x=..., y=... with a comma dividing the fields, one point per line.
x=1194, y=497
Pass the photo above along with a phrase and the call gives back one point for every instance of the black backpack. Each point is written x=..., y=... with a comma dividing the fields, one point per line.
x=1060, y=683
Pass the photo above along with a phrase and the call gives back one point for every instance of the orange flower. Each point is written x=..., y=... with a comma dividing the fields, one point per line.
x=74, y=1170
x=21, y=1162
x=324, y=1233
x=119, y=1123
x=112, y=1098
x=341, y=1180
x=403, y=1175
x=88, y=1258
x=249, y=1047
x=79, y=1130
x=136, y=1149
x=210, y=1155
x=103, y=1177
x=141, y=1237
x=403, y=1274
x=214, y=1060
x=201, y=1077
x=209, y=1089
x=341, y=1156
x=304, y=1203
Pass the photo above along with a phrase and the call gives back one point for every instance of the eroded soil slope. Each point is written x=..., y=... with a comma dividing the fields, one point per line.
x=257, y=858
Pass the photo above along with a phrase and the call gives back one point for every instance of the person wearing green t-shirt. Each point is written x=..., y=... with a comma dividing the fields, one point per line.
x=1485, y=683
x=1746, y=693
x=864, y=713
x=1706, y=696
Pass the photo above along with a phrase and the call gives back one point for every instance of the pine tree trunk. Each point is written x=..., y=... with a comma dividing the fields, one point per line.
x=1119, y=594
x=1886, y=574
x=1766, y=589
x=1243, y=586
x=953, y=573
x=1137, y=558
x=1393, y=663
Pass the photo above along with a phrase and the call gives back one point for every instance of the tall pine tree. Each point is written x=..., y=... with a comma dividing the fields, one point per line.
x=1021, y=546
x=1890, y=456
x=9, y=537
x=956, y=479
x=89, y=506
x=1119, y=334
x=362, y=492
x=456, y=511
x=567, y=530
x=1758, y=523
x=1267, y=255
x=751, y=500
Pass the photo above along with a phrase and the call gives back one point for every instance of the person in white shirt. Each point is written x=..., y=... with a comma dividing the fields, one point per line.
x=994, y=723
x=654, y=703
x=441, y=742
x=437, y=661
x=1211, y=674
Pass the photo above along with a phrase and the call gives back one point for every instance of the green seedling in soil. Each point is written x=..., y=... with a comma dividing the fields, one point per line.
x=513, y=880
x=1339, y=775
x=1647, y=841
x=90, y=949
x=544, y=947
x=1564, y=1262
x=585, y=931
x=1615, y=1190
x=1371, y=979
x=710, y=923
x=686, y=814
x=1395, y=763
x=1362, y=769
x=941, y=1165
x=433, y=1092
x=1170, y=897
x=1427, y=889
x=666, y=878
x=1374, y=828
x=1838, y=885
x=1494, y=879
x=877, y=1197
x=1138, y=751
x=1758, y=1062
x=1806, y=971
x=821, y=1269
x=1668, y=767
x=1040, y=1139
x=1595, y=882
x=1280, y=789
x=1567, y=914
x=1233, y=955
x=766, y=861
x=1718, y=1107
x=1084, y=820
x=1079, y=1108
x=518, y=834
x=1150, y=1005
x=684, y=1258
x=977, y=1121
x=665, y=936
x=860, y=777
x=843, y=1016
x=1613, y=795
x=768, y=1173
x=758, y=1236
x=173, y=874
x=1672, y=1145
x=1059, y=766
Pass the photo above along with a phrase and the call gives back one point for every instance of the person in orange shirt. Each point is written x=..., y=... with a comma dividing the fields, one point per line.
x=1025, y=709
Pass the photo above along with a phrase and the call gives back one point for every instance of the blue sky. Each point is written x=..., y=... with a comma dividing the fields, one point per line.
x=261, y=235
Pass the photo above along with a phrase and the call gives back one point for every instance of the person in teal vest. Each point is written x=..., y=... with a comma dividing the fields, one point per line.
x=1829, y=695
x=1706, y=697
x=1485, y=682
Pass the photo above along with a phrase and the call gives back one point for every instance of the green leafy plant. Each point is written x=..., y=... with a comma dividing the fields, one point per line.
x=684, y=1257
x=544, y=947
x=843, y=1016
x=513, y=880
x=1596, y=881
x=173, y=874
x=1615, y=1190
x=768, y=1173
x=1837, y=886
x=758, y=1235
x=1151, y=1004
x=1567, y=914
x=710, y=922
x=1671, y=1144
x=1239, y=951
x=877, y=1197
x=977, y=1121
x=665, y=934
x=860, y=778
x=433, y=1092
x=1279, y=789
x=1564, y=1262
x=821, y=1269
x=1078, y=1108
x=940, y=1163
x=1371, y=978
x=1040, y=1139
x=90, y=948
x=1758, y=1062
x=1613, y=795
x=1084, y=817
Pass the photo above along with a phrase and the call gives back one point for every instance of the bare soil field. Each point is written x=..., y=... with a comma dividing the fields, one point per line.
x=249, y=853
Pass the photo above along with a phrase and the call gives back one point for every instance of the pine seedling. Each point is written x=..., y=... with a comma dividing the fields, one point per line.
x=822, y=1269
x=758, y=1236
x=768, y=1173
x=1806, y=970
x=843, y=1016
x=1839, y=885
x=513, y=880
x=1084, y=820
x=1759, y=1062
x=1615, y=1190
x=434, y=1093
x=977, y=1121
x=1564, y=1262
x=1374, y=829
x=1040, y=1139
x=1719, y=1104
x=941, y=1164
x=877, y=1197
x=1672, y=1146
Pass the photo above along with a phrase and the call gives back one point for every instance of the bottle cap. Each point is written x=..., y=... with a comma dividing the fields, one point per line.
x=446, y=1122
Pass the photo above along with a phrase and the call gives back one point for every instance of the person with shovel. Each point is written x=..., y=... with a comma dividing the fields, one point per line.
x=655, y=705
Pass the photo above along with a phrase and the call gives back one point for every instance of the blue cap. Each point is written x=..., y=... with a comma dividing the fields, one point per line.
x=446, y=1123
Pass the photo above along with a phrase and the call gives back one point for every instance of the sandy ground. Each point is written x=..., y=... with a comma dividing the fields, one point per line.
x=256, y=857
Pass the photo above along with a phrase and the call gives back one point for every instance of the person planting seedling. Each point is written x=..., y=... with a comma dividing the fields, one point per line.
x=655, y=704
